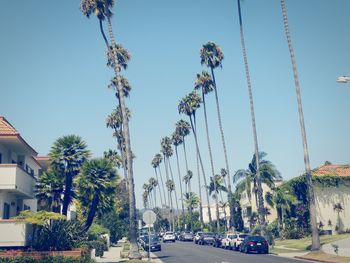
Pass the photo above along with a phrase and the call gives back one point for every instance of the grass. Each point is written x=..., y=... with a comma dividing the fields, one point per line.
x=305, y=243
x=319, y=255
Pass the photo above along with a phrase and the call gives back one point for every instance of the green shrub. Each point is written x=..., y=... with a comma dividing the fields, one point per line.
x=59, y=235
x=18, y=260
x=99, y=247
x=95, y=231
x=48, y=259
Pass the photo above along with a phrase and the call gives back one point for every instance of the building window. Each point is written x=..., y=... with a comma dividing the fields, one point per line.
x=6, y=214
x=26, y=207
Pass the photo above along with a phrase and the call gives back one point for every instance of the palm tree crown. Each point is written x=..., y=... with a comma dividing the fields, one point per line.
x=204, y=82
x=211, y=55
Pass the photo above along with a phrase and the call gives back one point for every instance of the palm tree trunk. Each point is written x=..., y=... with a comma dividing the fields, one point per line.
x=211, y=162
x=67, y=193
x=200, y=195
x=122, y=155
x=180, y=181
x=103, y=33
x=312, y=206
x=134, y=252
x=261, y=211
x=160, y=193
x=92, y=211
x=167, y=177
x=176, y=202
x=202, y=168
x=161, y=179
x=172, y=212
x=229, y=188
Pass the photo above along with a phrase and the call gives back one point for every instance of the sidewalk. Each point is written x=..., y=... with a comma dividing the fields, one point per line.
x=113, y=255
x=343, y=247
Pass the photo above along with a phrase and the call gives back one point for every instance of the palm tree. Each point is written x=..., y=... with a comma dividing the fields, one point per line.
x=338, y=208
x=183, y=128
x=118, y=58
x=283, y=199
x=145, y=199
x=211, y=55
x=114, y=157
x=187, y=180
x=156, y=164
x=205, y=84
x=189, y=105
x=49, y=190
x=171, y=187
x=261, y=218
x=177, y=140
x=312, y=204
x=215, y=188
x=191, y=201
x=154, y=183
x=67, y=155
x=96, y=185
x=268, y=175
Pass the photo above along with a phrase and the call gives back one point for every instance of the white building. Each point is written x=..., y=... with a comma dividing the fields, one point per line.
x=19, y=171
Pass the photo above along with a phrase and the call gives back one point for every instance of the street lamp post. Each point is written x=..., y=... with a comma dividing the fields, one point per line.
x=343, y=79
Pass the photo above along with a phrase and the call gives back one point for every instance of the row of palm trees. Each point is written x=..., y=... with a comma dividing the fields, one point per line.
x=211, y=56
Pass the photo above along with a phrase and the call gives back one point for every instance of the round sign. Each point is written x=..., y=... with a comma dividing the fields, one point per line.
x=149, y=217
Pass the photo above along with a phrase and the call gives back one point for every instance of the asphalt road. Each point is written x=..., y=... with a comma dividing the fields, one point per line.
x=188, y=252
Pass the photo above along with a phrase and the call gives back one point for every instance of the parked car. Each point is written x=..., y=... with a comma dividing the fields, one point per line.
x=237, y=240
x=254, y=243
x=186, y=236
x=217, y=240
x=196, y=237
x=177, y=235
x=141, y=240
x=206, y=238
x=152, y=242
x=168, y=237
x=225, y=241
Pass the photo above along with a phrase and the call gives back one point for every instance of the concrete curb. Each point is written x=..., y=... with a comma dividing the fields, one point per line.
x=315, y=260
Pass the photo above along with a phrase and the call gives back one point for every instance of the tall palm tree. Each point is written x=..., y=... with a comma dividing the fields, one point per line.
x=118, y=58
x=187, y=180
x=177, y=140
x=261, y=213
x=96, y=185
x=312, y=204
x=158, y=160
x=183, y=128
x=145, y=199
x=205, y=84
x=215, y=188
x=153, y=182
x=171, y=187
x=211, y=55
x=114, y=157
x=67, y=155
x=155, y=164
x=189, y=105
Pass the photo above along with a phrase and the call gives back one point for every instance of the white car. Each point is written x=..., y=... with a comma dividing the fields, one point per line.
x=236, y=242
x=168, y=237
x=225, y=241
x=197, y=236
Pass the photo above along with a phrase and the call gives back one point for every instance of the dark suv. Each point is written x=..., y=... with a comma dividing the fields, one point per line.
x=254, y=243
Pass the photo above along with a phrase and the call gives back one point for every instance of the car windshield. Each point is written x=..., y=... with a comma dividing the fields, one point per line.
x=153, y=239
x=257, y=238
x=208, y=234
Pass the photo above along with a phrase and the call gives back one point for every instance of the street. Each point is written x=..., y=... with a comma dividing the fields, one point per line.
x=188, y=252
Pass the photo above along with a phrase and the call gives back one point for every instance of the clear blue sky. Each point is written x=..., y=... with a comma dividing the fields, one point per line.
x=53, y=78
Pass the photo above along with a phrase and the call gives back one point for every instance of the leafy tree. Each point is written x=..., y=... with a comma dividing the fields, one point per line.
x=67, y=155
x=211, y=55
x=312, y=204
x=97, y=187
x=189, y=105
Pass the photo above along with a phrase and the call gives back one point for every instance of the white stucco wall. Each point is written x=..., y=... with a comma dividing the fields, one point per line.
x=325, y=199
x=14, y=234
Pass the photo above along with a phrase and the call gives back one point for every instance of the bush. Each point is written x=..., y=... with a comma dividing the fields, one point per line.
x=59, y=235
x=50, y=259
x=18, y=260
x=95, y=231
x=99, y=247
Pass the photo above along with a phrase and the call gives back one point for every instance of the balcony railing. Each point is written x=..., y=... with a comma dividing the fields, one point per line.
x=14, y=179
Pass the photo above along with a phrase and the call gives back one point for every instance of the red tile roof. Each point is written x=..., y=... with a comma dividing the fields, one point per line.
x=332, y=170
x=6, y=128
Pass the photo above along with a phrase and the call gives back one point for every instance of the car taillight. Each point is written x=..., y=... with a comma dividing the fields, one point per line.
x=251, y=243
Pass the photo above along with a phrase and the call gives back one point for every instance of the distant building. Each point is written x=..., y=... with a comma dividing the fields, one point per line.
x=19, y=171
x=213, y=212
x=334, y=193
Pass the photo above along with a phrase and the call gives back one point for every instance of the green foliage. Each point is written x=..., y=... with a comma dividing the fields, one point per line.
x=59, y=235
x=96, y=230
x=48, y=259
x=99, y=247
x=37, y=218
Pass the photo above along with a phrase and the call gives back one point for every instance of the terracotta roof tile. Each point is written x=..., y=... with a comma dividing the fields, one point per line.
x=6, y=128
x=332, y=170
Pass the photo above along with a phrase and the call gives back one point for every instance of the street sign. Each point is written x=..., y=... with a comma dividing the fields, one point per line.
x=149, y=217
